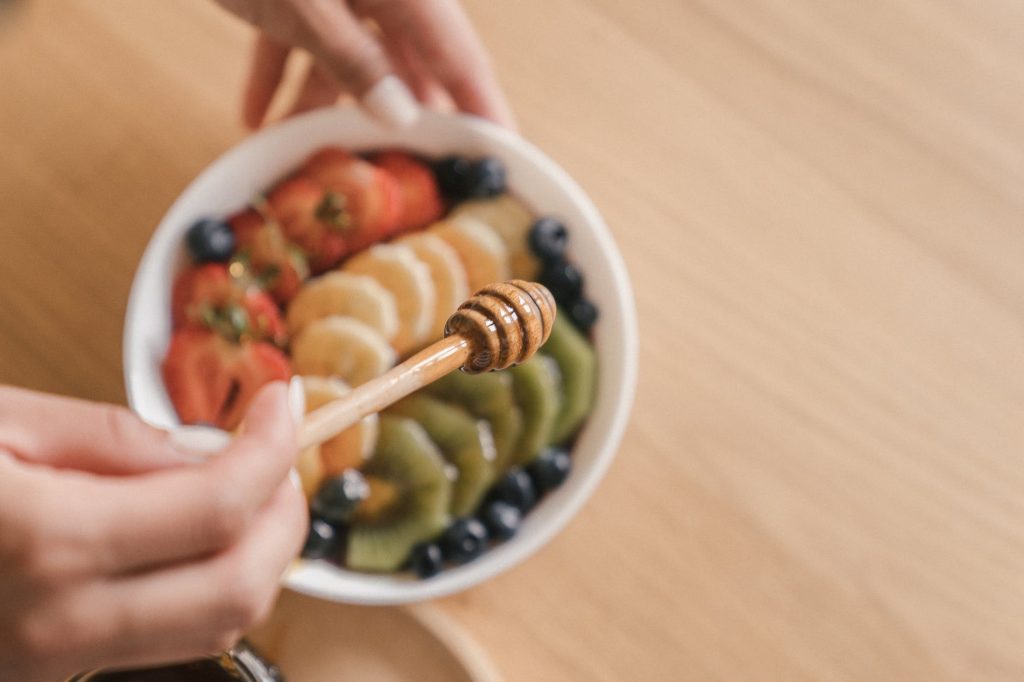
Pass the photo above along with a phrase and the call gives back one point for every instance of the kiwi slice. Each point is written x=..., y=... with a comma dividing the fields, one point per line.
x=464, y=441
x=487, y=396
x=538, y=391
x=409, y=498
x=577, y=365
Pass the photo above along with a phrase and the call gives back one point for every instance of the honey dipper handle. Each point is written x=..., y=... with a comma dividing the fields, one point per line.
x=430, y=364
x=501, y=325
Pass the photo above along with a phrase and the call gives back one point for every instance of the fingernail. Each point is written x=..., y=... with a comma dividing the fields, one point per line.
x=390, y=101
x=297, y=399
x=195, y=442
x=297, y=404
x=293, y=476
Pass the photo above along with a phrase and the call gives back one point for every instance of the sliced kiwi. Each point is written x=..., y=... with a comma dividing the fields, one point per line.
x=465, y=441
x=537, y=388
x=577, y=365
x=409, y=497
x=487, y=396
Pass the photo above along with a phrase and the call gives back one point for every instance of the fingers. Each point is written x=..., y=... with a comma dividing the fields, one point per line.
x=265, y=73
x=354, y=58
x=449, y=48
x=445, y=48
x=191, y=511
x=75, y=434
x=348, y=53
x=318, y=90
x=234, y=590
x=61, y=526
x=179, y=612
x=337, y=38
x=407, y=65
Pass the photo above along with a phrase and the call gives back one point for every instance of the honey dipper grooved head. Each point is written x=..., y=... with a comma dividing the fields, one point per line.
x=505, y=323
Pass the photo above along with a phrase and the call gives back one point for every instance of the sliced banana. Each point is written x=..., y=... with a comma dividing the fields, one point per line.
x=341, y=347
x=512, y=221
x=349, y=449
x=398, y=270
x=347, y=294
x=481, y=250
x=446, y=270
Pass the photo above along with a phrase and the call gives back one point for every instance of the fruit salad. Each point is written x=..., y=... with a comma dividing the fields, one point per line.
x=338, y=272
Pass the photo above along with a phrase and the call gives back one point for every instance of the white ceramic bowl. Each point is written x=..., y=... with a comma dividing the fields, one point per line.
x=233, y=179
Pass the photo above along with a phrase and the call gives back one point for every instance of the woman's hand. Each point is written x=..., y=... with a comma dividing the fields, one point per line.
x=118, y=548
x=426, y=45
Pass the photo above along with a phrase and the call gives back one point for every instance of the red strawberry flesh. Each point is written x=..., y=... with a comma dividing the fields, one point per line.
x=208, y=296
x=421, y=198
x=312, y=217
x=372, y=197
x=268, y=258
x=211, y=380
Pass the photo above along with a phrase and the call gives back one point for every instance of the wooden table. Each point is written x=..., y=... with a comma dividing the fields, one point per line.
x=822, y=206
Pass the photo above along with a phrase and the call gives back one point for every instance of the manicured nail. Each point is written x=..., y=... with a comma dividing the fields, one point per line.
x=297, y=400
x=297, y=404
x=391, y=101
x=195, y=442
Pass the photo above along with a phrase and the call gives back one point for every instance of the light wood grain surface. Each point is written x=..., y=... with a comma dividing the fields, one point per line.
x=822, y=207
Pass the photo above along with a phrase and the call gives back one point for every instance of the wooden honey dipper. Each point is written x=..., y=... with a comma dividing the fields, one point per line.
x=501, y=325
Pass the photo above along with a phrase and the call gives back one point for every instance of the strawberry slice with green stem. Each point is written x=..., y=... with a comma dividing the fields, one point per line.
x=209, y=296
x=211, y=380
x=314, y=218
x=264, y=256
x=372, y=197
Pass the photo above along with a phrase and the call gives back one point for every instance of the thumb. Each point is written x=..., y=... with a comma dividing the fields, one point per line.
x=265, y=419
x=207, y=440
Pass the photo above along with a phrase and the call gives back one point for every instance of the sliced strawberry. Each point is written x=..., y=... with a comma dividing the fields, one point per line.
x=372, y=198
x=264, y=256
x=211, y=380
x=264, y=321
x=245, y=224
x=208, y=296
x=421, y=198
x=312, y=217
x=198, y=286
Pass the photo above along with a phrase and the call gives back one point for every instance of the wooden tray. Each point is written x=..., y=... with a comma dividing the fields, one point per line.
x=319, y=641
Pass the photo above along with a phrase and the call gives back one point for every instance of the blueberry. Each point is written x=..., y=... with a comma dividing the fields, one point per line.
x=548, y=239
x=549, y=469
x=501, y=518
x=210, y=241
x=564, y=280
x=584, y=314
x=322, y=540
x=426, y=560
x=486, y=179
x=516, y=489
x=463, y=541
x=452, y=173
x=338, y=497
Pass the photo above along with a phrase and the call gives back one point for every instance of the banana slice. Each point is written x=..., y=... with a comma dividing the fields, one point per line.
x=450, y=280
x=349, y=449
x=512, y=221
x=481, y=250
x=398, y=270
x=347, y=294
x=341, y=347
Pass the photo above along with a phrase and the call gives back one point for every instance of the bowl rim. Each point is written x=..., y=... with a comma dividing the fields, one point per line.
x=308, y=577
